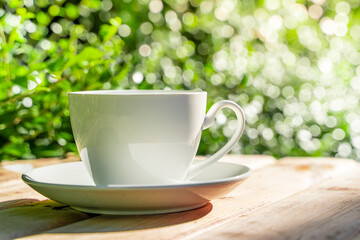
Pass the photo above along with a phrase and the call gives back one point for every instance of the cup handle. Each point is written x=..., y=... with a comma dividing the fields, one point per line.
x=208, y=121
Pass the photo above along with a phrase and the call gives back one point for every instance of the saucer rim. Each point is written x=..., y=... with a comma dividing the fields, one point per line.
x=27, y=179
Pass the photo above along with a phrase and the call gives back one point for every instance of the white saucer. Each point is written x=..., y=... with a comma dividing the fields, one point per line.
x=69, y=183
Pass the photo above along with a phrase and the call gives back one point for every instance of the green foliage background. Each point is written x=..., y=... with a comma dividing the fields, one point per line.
x=292, y=65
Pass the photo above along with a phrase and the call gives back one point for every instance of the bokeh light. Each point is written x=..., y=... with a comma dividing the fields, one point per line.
x=294, y=67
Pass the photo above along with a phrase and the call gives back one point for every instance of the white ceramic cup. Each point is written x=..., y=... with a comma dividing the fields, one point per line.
x=144, y=136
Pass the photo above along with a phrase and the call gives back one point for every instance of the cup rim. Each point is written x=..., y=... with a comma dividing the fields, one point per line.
x=137, y=92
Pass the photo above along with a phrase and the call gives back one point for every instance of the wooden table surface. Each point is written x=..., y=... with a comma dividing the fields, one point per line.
x=292, y=198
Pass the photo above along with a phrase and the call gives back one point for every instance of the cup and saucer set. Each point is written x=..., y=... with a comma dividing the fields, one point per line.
x=137, y=149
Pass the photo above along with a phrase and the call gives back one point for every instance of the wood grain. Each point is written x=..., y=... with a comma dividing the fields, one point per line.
x=294, y=198
x=42, y=161
x=328, y=210
x=36, y=217
x=265, y=187
x=252, y=161
x=23, y=211
x=16, y=189
x=13, y=191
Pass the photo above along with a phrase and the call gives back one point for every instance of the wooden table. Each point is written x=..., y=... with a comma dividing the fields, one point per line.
x=293, y=198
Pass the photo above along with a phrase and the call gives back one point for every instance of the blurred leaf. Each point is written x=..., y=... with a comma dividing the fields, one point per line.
x=295, y=75
x=107, y=32
x=15, y=149
x=93, y=4
x=87, y=54
x=55, y=65
x=116, y=22
x=16, y=36
x=71, y=11
x=49, y=152
x=21, y=70
x=29, y=15
x=244, y=82
x=54, y=10
x=15, y=3
x=43, y=18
